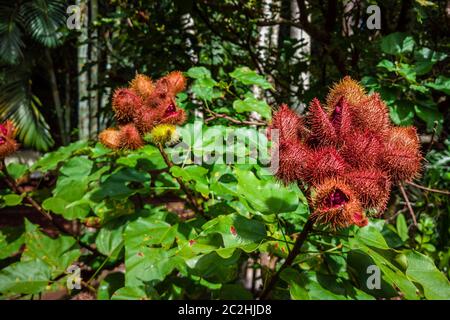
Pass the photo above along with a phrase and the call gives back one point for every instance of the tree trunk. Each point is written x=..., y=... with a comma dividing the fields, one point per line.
x=83, y=79
x=56, y=98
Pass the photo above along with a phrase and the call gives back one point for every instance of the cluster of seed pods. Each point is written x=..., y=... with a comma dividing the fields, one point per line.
x=141, y=107
x=348, y=152
x=8, y=144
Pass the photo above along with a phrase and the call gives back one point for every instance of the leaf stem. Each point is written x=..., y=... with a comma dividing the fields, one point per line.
x=189, y=195
x=11, y=182
x=289, y=260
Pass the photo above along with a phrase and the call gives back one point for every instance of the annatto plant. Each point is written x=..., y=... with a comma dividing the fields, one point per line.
x=138, y=225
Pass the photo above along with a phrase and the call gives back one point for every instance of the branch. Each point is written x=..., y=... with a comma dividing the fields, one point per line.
x=429, y=189
x=408, y=204
x=11, y=182
x=189, y=196
x=290, y=258
x=216, y=115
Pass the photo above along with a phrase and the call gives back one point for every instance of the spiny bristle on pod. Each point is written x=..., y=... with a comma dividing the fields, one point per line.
x=372, y=187
x=163, y=134
x=288, y=124
x=371, y=114
x=125, y=103
x=353, y=92
x=361, y=149
x=130, y=137
x=142, y=85
x=292, y=158
x=176, y=80
x=322, y=130
x=401, y=155
x=110, y=138
x=323, y=163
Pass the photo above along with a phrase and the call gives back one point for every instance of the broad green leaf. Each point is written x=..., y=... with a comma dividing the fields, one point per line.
x=249, y=77
x=130, y=293
x=57, y=253
x=144, y=262
x=77, y=167
x=236, y=232
x=16, y=170
x=11, y=239
x=198, y=73
x=250, y=104
x=397, y=43
x=12, y=199
x=109, y=240
x=50, y=160
x=234, y=292
x=402, y=228
x=267, y=197
x=441, y=83
x=402, y=113
x=194, y=173
x=421, y=269
x=25, y=277
x=109, y=285
x=386, y=64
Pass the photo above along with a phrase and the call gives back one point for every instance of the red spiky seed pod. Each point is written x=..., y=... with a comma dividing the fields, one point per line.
x=353, y=92
x=401, y=155
x=130, y=137
x=336, y=205
x=292, y=160
x=372, y=187
x=8, y=144
x=323, y=163
x=341, y=119
x=361, y=149
x=322, y=130
x=110, y=138
x=288, y=124
x=371, y=114
x=176, y=82
x=142, y=85
x=125, y=104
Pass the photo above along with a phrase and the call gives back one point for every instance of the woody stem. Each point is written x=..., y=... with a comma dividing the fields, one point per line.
x=189, y=195
x=290, y=258
x=11, y=182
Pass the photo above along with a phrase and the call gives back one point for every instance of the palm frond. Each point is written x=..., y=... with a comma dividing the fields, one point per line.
x=11, y=43
x=19, y=105
x=43, y=19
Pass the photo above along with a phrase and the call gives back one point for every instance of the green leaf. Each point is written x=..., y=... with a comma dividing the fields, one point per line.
x=11, y=239
x=12, y=199
x=16, y=170
x=441, y=83
x=28, y=277
x=402, y=227
x=109, y=240
x=57, y=253
x=237, y=232
x=422, y=270
x=250, y=77
x=109, y=285
x=386, y=64
x=130, y=293
x=198, y=73
x=397, y=43
x=77, y=167
x=267, y=197
x=194, y=173
x=370, y=236
x=402, y=113
x=143, y=262
x=429, y=115
x=250, y=104
x=234, y=292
